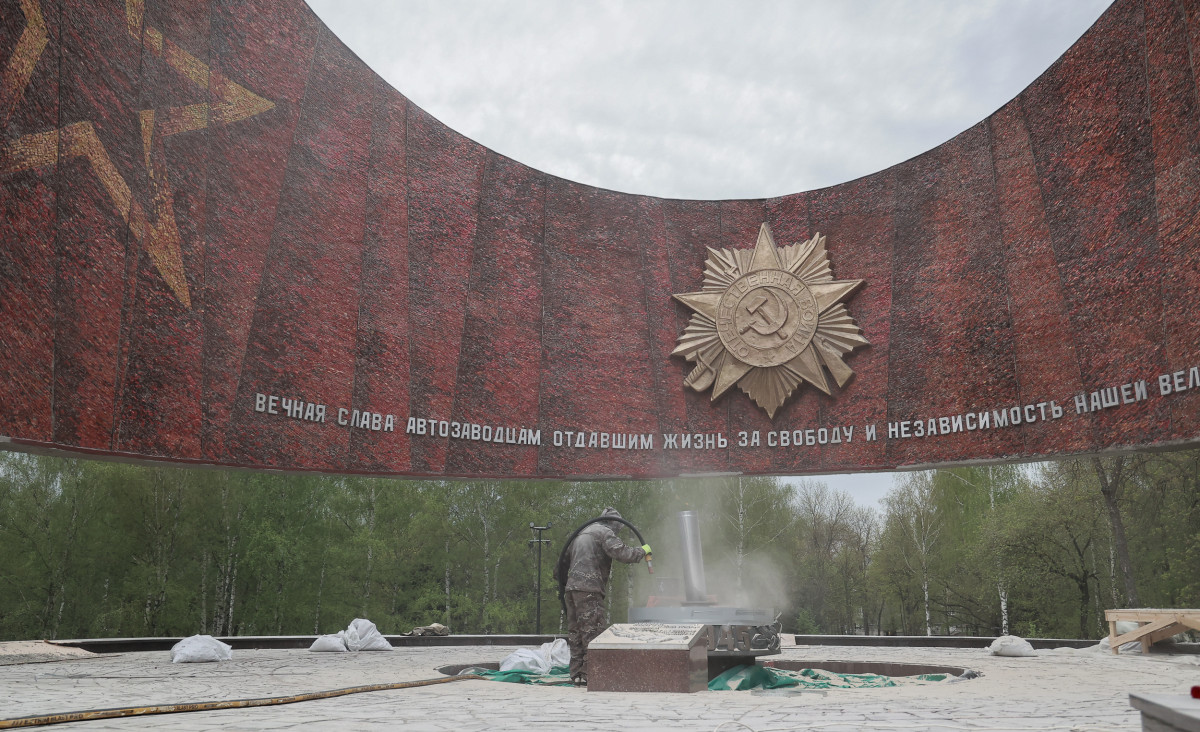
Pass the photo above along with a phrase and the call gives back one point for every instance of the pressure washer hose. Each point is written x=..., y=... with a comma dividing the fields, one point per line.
x=561, y=569
x=44, y=719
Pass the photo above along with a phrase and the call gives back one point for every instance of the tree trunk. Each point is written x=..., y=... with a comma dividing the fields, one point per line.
x=232, y=593
x=320, y=594
x=59, y=591
x=487, y=574
x=279, y=599
x=370, y=552
x=741, y=528
x=204, y=594
x=1084, y=601
x=1003, y=607
x=104, y=609
x=1000, y=588
x=1111, y=487
x=446, y=620
x=1112, y=574
x=925, y=590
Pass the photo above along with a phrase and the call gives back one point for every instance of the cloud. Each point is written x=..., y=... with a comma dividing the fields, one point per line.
x=704, y=99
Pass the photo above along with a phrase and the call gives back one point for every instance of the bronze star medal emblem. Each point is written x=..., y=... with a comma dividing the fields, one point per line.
x=768, y=320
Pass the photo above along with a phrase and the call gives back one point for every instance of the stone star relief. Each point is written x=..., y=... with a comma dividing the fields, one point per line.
x=768, y=320
x=149, y=213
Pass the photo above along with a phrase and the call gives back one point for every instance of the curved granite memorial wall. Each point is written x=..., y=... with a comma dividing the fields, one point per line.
x=227, y=241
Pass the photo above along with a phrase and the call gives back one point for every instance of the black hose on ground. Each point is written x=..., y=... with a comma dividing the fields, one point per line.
x=44, y=719
x=561, y=568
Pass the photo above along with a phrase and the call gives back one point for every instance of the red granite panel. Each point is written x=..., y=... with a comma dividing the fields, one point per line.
x=499, y=365
x=915, y=347
x=326, y=242
x=691, y=227
x=1176, y=140
x=27, y=305
x=246, y=167
x=857, y=220
x=185, y=24
x=984, y=376
x=302, y=339
x=1092, y=145
x=443, y=200
x=1191, y=20
x=31, y=45
x=952, y=342
x=98, y=169
x=661, y=335
x=27, y=258
x=12, y=25
x=1046, y=363
x=381, y=359
x=159, y=378
x=594, y=378
x=740, y=221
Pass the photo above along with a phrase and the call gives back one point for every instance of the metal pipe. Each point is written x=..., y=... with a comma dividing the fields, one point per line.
x=694, y=587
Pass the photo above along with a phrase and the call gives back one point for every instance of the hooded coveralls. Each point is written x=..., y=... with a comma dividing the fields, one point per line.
x=590, y=562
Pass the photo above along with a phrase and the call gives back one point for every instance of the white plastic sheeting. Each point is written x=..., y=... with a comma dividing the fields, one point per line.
x=555, y=653
x=361, y=635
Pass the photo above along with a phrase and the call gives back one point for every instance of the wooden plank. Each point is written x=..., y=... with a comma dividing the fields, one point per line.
x=1190, y=621
x=1148, y=614
x=1158, y=624
x=1143, y=630
x=1167, y=632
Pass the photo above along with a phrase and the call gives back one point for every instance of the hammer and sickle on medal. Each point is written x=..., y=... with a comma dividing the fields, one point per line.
x=769, y=315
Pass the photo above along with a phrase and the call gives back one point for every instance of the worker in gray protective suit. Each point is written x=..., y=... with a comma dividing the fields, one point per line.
x=590, y=562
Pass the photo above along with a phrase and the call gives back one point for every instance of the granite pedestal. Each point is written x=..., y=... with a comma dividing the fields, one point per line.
x=649, y=657
x=1167, y=712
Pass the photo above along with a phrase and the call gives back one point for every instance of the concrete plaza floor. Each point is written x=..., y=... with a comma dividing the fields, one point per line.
x=1057, y=690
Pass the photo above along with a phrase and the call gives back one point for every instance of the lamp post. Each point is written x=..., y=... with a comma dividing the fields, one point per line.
x=539, y=541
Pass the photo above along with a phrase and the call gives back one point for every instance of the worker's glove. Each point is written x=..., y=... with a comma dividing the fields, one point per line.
x=646, y=548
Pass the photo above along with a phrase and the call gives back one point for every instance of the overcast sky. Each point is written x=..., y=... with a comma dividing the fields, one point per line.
x=711, y=100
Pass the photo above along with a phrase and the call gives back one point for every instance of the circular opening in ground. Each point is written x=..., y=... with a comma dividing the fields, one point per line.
x=879, y=668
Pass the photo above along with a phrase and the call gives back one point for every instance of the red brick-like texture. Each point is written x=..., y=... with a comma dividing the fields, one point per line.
x=227, y=241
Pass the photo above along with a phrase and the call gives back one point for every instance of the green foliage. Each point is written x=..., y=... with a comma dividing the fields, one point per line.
x=96, y=549
x=806, y=624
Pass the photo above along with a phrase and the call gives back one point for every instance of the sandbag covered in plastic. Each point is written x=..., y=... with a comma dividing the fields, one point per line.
x=1011, y=645
x=200, y=649
x=333, y=643
x=363, y=636
x=548, y=656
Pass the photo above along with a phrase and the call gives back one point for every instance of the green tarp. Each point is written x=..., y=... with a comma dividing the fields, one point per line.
x=557, y=675
x=738, y=678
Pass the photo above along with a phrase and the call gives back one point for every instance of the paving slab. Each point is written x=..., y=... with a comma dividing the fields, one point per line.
x=1056, y=690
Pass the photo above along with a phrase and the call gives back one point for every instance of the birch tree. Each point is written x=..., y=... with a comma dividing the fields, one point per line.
x=912, y=509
